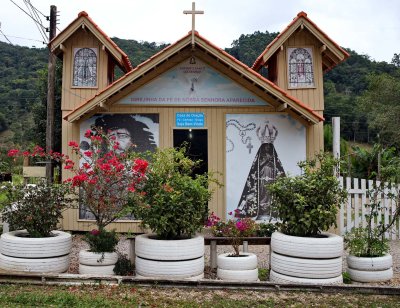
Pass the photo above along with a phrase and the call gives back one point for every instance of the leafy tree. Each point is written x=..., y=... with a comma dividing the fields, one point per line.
x=396, y=60
x=381, y=105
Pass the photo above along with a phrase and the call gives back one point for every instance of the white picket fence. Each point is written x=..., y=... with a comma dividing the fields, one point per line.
x=352, y=212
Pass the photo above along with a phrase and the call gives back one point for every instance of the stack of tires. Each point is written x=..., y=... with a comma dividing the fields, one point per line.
x=169, y=259
x=306, y=260
x=97, y=263
x=370, y=269
x=241, y=268
x=21, y=253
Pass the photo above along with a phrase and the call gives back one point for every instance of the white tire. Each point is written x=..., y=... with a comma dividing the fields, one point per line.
x=87, y=257
x=193, y=278
x=330, y=246
x=246, y=261
x=96, y=269
x=15, y=244
x=306, y=268
x=169, y=269
x=370, y=276
x=279, y=278
x=236, y=275
x=370, y=264
x=153, y=249
x=37, y=265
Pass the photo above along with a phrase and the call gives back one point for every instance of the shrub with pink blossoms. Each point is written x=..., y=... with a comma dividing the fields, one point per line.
x=234, y=228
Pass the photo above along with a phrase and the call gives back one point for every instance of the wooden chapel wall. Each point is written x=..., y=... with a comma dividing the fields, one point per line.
x=214, y=123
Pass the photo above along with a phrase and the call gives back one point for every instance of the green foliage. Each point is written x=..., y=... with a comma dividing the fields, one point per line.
x=328, y=141
x=362, y=242
x=380, y=102
x=248, y=47
x=307, y=204
x=346, y=278
x=101, y=240
x=123, y=267
x=36, y=208
x=171, y=202
x=263, y=274
x=364, y=163
x=266, y=229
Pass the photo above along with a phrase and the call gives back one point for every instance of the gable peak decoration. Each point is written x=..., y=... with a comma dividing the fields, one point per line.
x=193, y=12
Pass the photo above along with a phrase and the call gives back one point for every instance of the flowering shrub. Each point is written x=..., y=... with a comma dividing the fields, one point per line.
x=234, y=228
x=101, y=240
x=104, y=178
x=36, y=208
x=171, y=202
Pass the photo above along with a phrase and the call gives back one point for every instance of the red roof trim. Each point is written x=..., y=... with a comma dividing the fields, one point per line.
x=83, y=14
x=256, y=74
x=259, y=61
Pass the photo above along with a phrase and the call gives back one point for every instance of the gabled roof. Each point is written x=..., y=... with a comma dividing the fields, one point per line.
x=183, y=47
x=84, y=21
x=332, y=53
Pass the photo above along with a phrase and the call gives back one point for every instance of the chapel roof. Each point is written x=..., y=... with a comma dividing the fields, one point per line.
x=85, y=22
x=332, y=53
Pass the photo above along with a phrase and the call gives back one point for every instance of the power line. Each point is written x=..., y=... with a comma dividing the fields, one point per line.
x=24, y=38
x=27, y=14
x=4, y=35
x=37, y=19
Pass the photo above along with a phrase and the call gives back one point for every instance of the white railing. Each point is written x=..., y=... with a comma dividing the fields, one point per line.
x=352, y=212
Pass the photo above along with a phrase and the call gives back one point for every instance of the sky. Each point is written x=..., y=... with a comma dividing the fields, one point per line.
x=370, y=27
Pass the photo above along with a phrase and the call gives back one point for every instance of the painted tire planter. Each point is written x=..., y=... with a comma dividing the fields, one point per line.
x=306, y=268
x=308, y=260
x=38, y=255
x=330, y=246
x=370, y=269
x=279, y=278
x=170, y=259
x=243, y=268
x=97, y=263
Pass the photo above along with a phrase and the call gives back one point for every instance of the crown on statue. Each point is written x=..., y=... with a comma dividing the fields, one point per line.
x=267, y=134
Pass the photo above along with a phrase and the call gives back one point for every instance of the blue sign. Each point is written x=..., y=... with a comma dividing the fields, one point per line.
x=189, y=119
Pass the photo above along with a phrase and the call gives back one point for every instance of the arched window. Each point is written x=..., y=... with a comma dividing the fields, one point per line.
x=300, y=67
x=85, y=67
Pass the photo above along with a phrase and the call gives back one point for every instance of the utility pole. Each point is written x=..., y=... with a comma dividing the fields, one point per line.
x=51, y=94
x=336, y=141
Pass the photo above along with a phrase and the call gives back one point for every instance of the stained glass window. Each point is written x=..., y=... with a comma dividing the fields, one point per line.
x=85, y=67
x=300, y=67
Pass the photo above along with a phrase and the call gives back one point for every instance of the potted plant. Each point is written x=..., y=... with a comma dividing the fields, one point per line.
x=173, y=205
x=33, y=212
x=369, y=259
x=237, y=266
x=306, y=205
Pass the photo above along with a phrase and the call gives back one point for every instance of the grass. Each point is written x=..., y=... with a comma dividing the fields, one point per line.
x=132, y=296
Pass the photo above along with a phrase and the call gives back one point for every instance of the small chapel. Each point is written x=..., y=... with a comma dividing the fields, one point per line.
x=248, y=127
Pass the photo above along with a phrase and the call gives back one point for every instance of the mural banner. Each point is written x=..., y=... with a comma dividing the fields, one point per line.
x=259, y=148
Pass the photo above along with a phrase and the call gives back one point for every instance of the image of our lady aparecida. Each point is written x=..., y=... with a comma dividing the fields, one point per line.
x=255, y=200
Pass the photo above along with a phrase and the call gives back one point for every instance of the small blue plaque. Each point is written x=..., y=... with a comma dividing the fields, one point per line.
x=189, y=119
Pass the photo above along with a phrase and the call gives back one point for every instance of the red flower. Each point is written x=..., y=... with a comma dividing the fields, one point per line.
x=88, y=153
x=88, y=133
x=140, y=166
x=13, y=153
x=73, y=144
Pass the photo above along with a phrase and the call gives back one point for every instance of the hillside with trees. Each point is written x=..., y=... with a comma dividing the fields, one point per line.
x=353, y=89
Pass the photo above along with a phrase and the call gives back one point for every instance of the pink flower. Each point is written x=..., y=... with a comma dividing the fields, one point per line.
x=95, y=232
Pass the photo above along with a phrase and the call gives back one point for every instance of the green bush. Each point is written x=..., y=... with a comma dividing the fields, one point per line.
x=101, y=240
x=123, y=267
x=265, y=229
x=308, y=203
x=36, y=208
x=171, y=202
x=363, y=242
